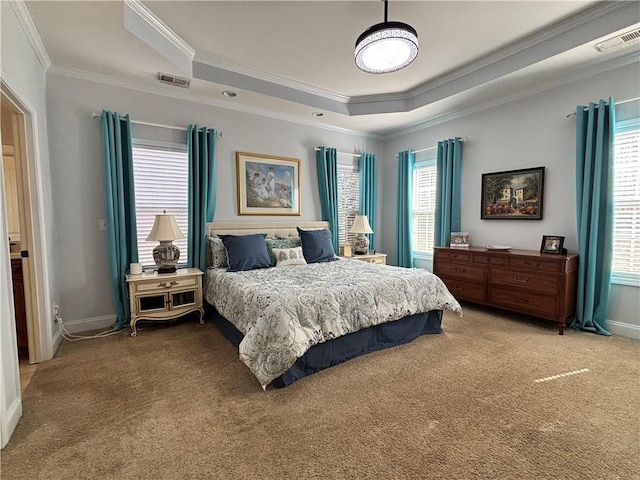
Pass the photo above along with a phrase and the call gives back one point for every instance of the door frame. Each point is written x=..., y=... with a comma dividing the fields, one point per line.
x=35, y=267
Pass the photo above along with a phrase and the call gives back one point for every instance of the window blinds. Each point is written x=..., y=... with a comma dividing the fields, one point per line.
x=161, y=182
x=424, y=207
x=348, y=201
x=626, y=248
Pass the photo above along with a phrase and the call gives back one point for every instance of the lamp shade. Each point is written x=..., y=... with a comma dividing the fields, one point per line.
x=165, y=229
x=361, y=225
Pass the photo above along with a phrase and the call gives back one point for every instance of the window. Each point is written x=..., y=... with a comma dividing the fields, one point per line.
x=348, y=200
x=161, y=180
x=626, y=243
x=424, y=206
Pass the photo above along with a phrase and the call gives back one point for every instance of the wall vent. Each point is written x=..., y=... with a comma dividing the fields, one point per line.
x=173, y=80
x=623, y=40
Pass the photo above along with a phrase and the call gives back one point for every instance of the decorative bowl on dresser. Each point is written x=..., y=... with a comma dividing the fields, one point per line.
x=524, y=281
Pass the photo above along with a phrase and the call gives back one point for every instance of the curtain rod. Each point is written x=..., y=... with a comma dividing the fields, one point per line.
x=621, y=102
x=150, y=124
x=356, y=155
x=462, y=140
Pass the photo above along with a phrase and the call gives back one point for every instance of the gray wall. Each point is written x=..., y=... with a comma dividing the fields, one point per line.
x=530, y=132
x=77, y=172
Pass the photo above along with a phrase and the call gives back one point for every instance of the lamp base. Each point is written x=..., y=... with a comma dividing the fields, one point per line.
x=360, y=245
x=166, y=256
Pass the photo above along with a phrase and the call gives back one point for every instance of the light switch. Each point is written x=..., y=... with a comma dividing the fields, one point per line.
x=103, y=224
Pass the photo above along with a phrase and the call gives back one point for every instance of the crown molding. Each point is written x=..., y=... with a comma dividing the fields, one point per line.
x=584, y=72
x=180, y=94
x=31, y=32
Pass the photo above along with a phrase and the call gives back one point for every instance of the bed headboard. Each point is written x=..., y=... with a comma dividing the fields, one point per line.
x=272, y=229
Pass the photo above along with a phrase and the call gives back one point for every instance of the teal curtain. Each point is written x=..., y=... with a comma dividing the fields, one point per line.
x=327, y=165
x=594, y=202
x=448, y=190
x=121, y=209
x=404, y=247
x=368, y=182
x=201, y=148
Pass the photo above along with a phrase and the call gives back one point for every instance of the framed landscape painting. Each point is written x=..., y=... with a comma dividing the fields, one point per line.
x=267, y=185
x=513, y=195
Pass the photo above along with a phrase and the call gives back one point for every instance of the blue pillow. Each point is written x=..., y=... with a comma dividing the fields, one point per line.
x=317, y=246
x=246, y=252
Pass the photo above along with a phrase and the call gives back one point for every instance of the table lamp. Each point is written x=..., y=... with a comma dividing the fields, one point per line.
x=165, y=230
x=360, y=227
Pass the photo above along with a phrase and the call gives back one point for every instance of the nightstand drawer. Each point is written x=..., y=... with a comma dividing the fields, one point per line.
x=159, y=285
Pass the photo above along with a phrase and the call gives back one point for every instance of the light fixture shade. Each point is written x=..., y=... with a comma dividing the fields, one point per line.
x=165, y=229
x=361, y=225
x=386, y=47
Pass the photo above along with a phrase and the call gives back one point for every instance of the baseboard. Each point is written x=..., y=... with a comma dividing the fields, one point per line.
x=9, y=423
x=623, y=329
x=86, y=324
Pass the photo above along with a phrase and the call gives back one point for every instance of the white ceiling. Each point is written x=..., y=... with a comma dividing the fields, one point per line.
x=289, y=59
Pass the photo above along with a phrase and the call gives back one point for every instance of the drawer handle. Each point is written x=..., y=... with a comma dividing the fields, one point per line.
x=461, y=270
x=516, y=279
x=534, y=264
x=458, y=287
x=521, y=300
x=171, y=284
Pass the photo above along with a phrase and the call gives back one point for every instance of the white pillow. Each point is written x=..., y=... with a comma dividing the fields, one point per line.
x=289, y=256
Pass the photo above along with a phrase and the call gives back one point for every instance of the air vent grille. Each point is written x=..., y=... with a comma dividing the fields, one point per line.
x=619, y=41
x=173, y=80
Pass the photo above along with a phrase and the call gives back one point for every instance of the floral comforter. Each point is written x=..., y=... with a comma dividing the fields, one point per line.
x=284, y=311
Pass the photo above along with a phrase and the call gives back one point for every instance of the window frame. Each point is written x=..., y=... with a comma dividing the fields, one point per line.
x=422, y=160
x=624, y=278
x=351, y=167
x=137, y=142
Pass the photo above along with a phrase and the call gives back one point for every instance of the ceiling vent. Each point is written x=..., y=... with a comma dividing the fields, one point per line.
x=626, y=39
x=173, y=80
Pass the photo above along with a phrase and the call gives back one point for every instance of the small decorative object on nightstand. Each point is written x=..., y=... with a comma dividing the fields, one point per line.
x=165, y=230
x=360, y=227
x=164, y=296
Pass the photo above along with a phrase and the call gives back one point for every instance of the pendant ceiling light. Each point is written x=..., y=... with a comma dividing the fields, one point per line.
x=386, y=47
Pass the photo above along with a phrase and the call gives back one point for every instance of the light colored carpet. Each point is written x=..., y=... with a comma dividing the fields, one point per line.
x=176, y=403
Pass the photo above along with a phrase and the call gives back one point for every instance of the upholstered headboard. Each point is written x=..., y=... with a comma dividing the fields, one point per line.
x=272, y=229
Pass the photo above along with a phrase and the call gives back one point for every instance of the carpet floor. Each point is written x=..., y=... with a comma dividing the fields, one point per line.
x=495, y=396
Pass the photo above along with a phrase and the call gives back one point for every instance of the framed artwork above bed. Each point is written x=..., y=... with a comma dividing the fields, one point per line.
x=267, y=185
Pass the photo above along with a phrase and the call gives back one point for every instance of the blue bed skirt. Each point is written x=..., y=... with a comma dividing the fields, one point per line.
x=341, y=349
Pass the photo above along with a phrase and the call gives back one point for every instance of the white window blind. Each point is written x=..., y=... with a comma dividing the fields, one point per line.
x=626, y=247
x=424, y=207
x=348, y=201
x=161, y=180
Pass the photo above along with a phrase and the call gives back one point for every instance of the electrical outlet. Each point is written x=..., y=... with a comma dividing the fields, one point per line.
x=56, y=310
x=103, y=224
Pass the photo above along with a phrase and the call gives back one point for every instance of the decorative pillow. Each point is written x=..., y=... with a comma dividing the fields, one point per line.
x=317, y=246
x=285, y=242
x=217, y=252
x=289, y=256
x=246, y=252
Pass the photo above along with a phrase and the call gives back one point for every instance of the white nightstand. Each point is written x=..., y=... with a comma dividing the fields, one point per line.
x=164, y=296
x=380, y=258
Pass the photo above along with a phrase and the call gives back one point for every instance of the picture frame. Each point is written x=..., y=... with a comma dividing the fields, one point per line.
x=267, y=185
x=459, y=240
x=513, y=194
x=552, y=244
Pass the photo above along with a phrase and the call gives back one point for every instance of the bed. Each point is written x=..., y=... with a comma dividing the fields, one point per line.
x=291, y=320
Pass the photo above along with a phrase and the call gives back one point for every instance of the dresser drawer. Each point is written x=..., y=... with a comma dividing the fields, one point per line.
x=524, y=302
x=462, y=271
x=462, y=256
x=530, y=281
x=536, y=265
x=488, y=260
x=474, y=292
x=159, y=285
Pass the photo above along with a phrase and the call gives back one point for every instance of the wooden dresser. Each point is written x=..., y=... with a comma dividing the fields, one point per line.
x=538, y=284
